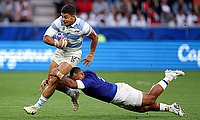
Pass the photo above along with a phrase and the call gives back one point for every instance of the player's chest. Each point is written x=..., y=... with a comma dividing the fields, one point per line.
x=70, y=30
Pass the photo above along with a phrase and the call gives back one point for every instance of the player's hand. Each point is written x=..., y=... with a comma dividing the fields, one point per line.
x=88, y=60
x=62, y=43
x=43, y=84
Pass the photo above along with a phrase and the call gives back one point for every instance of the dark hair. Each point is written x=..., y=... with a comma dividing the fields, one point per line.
x=68, y=8
x=74, y=70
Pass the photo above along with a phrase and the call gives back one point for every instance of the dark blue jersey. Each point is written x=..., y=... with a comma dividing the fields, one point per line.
x=97, y=87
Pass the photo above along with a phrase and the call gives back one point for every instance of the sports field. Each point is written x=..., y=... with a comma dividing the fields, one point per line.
x=19, y=89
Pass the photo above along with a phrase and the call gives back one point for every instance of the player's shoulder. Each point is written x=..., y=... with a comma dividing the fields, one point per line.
x=89, y=71
x=80, y=22
x=58, y=21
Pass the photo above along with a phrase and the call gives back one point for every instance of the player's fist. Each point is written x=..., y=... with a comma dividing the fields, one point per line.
x=61, y=40
x=61, y=43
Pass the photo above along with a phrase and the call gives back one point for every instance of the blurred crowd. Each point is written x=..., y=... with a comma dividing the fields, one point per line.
x=15, y=11
x=115, y=13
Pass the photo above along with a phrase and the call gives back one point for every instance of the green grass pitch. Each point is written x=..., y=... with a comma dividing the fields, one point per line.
x=19, y=89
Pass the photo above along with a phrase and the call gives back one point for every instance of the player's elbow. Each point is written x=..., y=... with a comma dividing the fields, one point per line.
x=45, y=38
x=96, y=38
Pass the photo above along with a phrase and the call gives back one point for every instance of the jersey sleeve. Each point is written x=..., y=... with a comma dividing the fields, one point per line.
x=50, y=32
x=87, y=29
x=80, y=84
x=54, y=28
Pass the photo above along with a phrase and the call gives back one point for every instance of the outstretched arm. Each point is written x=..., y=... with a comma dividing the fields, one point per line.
x=94, y=41
x=66, y=80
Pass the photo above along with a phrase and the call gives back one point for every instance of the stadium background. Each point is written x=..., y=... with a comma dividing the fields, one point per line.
x=154, y=47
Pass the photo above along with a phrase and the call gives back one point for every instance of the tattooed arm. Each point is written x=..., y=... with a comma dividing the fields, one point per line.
x=66, y=80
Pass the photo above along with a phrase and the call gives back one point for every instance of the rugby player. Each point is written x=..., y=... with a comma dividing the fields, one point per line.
x=121, y=94
x=67, y=54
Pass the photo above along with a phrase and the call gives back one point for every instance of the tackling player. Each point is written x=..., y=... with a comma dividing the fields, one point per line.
x=67, y=55
x=121, y=94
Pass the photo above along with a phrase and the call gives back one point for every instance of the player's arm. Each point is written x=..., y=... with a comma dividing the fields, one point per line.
x=66, y=80
x=50, y=32
x=48, y=40
x=94, y=41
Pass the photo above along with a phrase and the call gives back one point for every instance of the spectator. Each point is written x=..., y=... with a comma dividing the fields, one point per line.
x=181, y=18
x=113, y=18
x=192, y=19
x=145, y=7
x=99, y=6
x=138, y=19
x=178, y=4
x=84, y=6
x=23, y=9
x=124, y=20
x=25, y=14
x=89, y=17
x=125, y=9
x=7, y=11
x=196, y=5
x=135, y=6
x=125, y=6
x=58, y=5
x=153, y=16
x=165, y=15
x=101, y=18
x=112, y=3
x=173, y=22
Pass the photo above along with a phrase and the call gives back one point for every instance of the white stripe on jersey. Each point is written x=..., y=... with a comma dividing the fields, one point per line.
x=80, y=84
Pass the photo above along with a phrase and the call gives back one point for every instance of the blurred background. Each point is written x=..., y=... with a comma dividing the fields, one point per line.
x=133, y=34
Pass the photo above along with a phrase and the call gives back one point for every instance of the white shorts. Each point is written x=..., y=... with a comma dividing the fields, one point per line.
x=127, y=97
x=70, y=57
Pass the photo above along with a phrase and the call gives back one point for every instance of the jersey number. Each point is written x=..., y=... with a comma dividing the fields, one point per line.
x=73, y=59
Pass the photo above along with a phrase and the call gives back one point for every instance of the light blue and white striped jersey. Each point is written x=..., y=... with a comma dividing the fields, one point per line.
x=75, y=33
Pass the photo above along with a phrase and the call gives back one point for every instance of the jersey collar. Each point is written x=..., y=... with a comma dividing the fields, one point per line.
x=76, y=21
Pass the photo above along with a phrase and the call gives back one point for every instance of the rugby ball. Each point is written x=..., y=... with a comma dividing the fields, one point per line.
x=61, y=39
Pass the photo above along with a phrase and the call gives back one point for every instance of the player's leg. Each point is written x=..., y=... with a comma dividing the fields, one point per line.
x=157, y=89
x=54, y=84
x=149, y=100
x=74, y=94
x=46, y=94
x=156, y=106
x=66, y=61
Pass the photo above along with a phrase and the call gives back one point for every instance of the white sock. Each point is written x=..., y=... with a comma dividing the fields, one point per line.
x=70, y=92
x=40, y=102
x=164, y=107
x=168, y=78
x=163, y=83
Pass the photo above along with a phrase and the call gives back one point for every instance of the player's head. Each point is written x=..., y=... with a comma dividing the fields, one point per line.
x=68, y=13
x=76, y=73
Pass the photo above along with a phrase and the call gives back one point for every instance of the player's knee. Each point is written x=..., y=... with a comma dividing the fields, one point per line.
x=151, y=99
